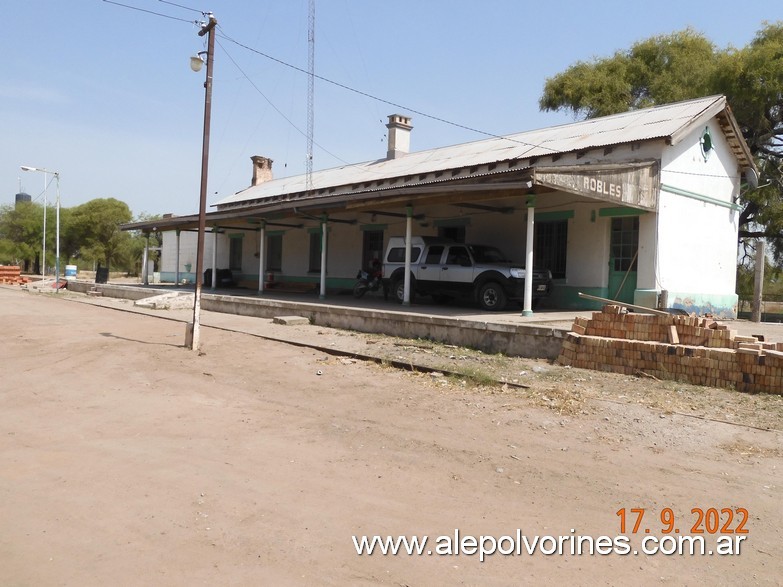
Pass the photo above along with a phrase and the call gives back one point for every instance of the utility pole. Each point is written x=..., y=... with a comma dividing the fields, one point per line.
x=310, y=92
x=193, y=338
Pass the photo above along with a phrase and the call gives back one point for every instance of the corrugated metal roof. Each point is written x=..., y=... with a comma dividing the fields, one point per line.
x=667, y=121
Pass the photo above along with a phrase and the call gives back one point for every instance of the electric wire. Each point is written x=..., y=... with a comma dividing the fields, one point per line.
x=346, y=87
x=384, y=101
x=150, y=12
x=183, y=7
x=280, y=112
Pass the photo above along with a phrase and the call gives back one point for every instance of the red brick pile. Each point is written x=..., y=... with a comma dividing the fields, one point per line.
x=11, y=274
x=683, y=348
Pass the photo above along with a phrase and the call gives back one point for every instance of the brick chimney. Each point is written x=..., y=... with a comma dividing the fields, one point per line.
x=399, y=136
x=262, y=169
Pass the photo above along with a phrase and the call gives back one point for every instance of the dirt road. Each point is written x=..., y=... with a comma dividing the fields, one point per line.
x=126, y=459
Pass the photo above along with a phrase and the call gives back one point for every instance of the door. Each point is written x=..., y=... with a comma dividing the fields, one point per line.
x=623, y=257
x=457, y=270
x=428, y=271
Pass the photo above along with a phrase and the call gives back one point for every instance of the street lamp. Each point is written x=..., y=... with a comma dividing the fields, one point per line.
x=57, y=238
x=192, y=339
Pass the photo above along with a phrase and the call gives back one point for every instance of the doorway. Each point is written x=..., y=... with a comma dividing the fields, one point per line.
x=623, y=258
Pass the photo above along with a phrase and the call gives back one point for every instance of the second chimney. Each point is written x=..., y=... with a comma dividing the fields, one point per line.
x=399, y=136
x=262, y=169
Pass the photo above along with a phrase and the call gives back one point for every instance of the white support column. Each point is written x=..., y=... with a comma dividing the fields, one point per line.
x=145, y=278
x=527, y=308
x=214, y=256
x=324, y=232
x=406, y=296
x=261, y=256
x=176, y=275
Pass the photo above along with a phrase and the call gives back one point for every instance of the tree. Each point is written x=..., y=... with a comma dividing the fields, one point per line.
x=685, y=65
x=95, y=226
x=21, y=232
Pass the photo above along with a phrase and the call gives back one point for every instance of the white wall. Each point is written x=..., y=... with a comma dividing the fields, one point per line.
x=697, y=240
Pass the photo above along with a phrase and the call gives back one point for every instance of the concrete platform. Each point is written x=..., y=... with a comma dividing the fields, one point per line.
x=538, y=336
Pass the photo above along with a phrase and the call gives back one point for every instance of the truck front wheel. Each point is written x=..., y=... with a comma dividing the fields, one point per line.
x=491, y=297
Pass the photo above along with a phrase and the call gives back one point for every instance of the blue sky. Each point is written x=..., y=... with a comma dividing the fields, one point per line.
x=105, y=96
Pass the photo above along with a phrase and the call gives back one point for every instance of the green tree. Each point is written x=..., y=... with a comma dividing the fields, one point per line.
x=21, y=232
x=686, y=65
x=94, y=227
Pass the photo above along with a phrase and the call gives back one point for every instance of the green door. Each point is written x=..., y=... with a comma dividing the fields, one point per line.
x=623, y=253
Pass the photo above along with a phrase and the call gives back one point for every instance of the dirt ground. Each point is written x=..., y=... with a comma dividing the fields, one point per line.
x=126, y=459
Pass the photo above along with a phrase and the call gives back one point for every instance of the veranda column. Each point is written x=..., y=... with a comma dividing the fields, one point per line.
x=214, y=256
x=527, y=308
x=261, y=256
x=406, y=296
x=322, y=295
x=176, y=273
x=145, y=279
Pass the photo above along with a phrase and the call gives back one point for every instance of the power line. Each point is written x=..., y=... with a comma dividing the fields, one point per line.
x=346, y=87
x=379, y=99
x=183, y=7
x=276, y=109
x=149, y=11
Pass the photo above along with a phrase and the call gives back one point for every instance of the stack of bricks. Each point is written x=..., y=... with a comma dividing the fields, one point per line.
x=12, y=274
x=683, y=348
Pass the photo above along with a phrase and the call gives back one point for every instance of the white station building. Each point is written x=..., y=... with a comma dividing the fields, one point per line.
x=640, y=207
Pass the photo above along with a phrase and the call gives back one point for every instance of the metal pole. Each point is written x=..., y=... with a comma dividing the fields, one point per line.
x=43, y=253
x=208, y=29
x=57, y=254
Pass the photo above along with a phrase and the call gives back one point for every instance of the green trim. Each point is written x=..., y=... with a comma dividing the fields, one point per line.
x=620, y=211
x=275, y=232
x=448, y=222
x=555, y=215
x=699, y=197
x=236, y=235
x=373, y=227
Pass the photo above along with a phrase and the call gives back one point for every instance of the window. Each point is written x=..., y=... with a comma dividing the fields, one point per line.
x=458, y=256
x=455, y=233
x=397, y=255
x=434, y=254
x=235, y=254
x=315, y=252
x=372, y=247
x=274, y=252
x=549, y=251
x=625, y=243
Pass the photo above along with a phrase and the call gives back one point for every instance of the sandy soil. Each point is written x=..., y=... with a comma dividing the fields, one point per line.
x=126, y=459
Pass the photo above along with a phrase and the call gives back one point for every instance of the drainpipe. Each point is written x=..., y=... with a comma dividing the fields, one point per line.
x=406, y=296
x=176, y=275
x=322, y=295
x=214, y=256
x=261, y=256
x=527, y=309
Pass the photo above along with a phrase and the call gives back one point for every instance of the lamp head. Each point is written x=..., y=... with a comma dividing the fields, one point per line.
x=28, y=168
x=197, y=61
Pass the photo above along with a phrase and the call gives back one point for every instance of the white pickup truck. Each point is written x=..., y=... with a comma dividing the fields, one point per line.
x=444, y=269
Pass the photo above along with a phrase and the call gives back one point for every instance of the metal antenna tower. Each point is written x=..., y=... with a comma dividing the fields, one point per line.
x=310, y=92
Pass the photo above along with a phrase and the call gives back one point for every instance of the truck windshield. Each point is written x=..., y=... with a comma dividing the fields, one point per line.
x=485, y=254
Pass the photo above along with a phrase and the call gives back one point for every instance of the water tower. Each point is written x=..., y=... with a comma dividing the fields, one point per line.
x=23, y=197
